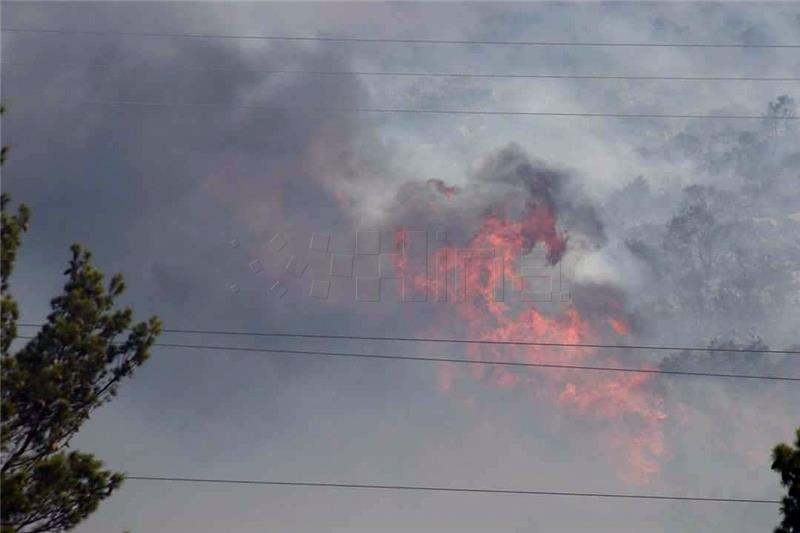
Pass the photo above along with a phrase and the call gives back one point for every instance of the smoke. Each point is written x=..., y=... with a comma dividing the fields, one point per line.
x=442, y=188
x=675, y=262
x=720, y=263
x=512, y=207
x=656, y=261
x=552, y=189
x=507, y=184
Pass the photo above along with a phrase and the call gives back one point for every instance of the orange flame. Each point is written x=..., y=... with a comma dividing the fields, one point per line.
x=619, y=326
x=633, y=416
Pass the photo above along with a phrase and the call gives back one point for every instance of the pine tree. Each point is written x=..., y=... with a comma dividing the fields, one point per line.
x=786, y=461
x=52, y=384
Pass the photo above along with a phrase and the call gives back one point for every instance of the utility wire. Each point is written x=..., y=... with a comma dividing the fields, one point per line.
x=395, y=41
x=433, y=74
x=459, y=341
x=386, y=110
x=420, y=488
x=462, y=360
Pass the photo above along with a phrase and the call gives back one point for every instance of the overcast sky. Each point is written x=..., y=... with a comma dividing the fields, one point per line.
x=230, y=204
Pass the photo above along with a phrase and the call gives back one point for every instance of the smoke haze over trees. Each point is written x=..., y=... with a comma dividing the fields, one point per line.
x=674, y=232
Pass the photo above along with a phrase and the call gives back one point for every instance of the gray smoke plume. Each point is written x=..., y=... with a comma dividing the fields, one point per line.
x=507, y=183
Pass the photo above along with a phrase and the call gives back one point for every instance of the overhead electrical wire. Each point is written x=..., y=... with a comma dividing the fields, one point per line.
x=461, y=341
x=420, y=74
x=344, y=39
x=412, y=111
x=425, y=488
x=462, y=360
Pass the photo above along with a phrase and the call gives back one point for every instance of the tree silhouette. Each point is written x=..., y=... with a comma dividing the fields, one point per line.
x=786, y=461
x=51, y=385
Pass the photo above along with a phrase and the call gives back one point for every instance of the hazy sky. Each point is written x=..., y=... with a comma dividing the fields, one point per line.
x=203, y=200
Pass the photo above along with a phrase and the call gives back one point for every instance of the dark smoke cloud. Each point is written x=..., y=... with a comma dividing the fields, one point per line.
x=508, y=183
x=555, y=188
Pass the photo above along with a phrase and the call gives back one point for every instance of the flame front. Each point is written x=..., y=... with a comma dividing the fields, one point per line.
x=630, y=418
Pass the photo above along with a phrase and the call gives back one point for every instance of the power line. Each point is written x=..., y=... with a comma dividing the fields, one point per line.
x=395, y=40
x=461, y=341
x=386, y=110
x=461, y=360
x=440, y=74
x=421, y=488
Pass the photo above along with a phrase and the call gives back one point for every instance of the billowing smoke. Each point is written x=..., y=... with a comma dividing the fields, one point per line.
x=514, y=207
x=672, y=233
x=719, y=266
x=510, y=185
x=684, y=262
x=658, y=260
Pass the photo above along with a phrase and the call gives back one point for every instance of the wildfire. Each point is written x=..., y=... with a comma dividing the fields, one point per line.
x=621, y=328
x=470, y=276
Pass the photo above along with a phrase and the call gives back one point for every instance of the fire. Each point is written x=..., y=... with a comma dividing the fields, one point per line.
x=619, y=326
x=470, y=276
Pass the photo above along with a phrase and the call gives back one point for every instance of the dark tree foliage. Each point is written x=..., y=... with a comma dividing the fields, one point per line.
x=782, y=107
x=786, y=461
x=735, y=361
x=698, y=247
x=51, y=385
